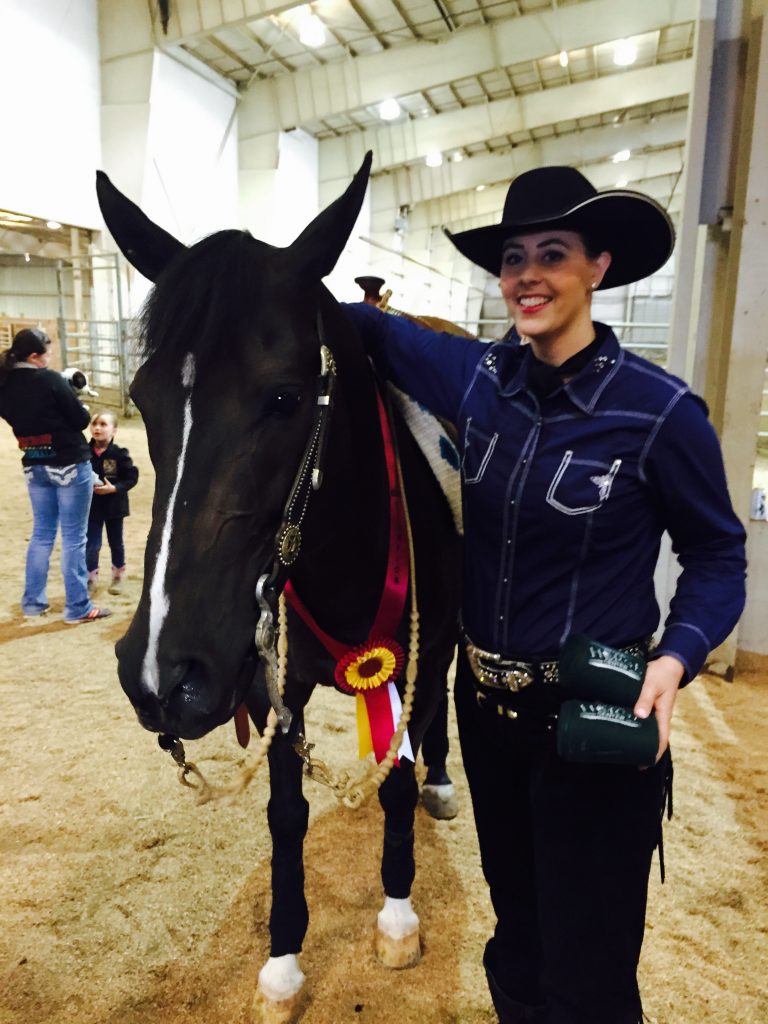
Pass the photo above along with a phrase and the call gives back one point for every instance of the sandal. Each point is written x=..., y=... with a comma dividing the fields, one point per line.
x=92, y=615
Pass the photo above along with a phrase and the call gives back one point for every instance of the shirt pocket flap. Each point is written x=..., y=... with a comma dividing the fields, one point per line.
x=478, y=449
x=581, y=485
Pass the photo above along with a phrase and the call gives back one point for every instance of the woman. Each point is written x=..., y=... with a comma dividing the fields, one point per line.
x=48, y=422
x=577, y=456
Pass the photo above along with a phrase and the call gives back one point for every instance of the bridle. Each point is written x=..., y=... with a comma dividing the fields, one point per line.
x=287, y=543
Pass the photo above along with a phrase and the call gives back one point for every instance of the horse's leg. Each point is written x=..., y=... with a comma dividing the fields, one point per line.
x=438, y=794
x=397, y=933
x=279, y=996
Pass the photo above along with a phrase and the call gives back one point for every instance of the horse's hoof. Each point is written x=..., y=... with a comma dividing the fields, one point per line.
x=440, y=801
x=398, y=953
x=277, y=1011
x=279, y=995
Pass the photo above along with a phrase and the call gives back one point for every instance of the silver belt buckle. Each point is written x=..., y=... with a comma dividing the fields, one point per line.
x=492, y=670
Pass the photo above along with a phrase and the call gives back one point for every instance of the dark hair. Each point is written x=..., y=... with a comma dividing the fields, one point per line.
x=26, y=342
x=592, y=246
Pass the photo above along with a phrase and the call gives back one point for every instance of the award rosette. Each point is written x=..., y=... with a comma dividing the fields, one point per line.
x=369, y=672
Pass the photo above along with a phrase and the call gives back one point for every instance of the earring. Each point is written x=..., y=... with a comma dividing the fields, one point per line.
x=593, y=285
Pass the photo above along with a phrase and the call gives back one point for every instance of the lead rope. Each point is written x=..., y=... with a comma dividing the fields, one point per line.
x=352, y=792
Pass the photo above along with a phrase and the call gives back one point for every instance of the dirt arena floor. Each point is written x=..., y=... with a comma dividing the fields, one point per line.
x=124, y=903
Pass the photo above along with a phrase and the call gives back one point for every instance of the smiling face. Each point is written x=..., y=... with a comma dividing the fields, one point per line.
x=547, y=280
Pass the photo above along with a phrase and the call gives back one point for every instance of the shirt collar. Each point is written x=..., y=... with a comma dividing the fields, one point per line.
x=585, y=389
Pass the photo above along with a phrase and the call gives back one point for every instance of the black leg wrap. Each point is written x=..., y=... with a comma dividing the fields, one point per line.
x=288, y=817
x=398, y=796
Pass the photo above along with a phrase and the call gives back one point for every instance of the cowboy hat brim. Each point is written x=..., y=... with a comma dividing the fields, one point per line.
x=632, y=227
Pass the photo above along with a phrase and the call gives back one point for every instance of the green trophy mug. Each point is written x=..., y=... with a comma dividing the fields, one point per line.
x=596, y=672
x=596, y=733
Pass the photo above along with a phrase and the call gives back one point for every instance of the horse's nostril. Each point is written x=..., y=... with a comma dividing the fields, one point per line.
x=190, y=684
x=178, y=672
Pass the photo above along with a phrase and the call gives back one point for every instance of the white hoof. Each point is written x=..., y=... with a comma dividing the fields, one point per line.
x=280, y=994
x=397, y=936
x=440, y=801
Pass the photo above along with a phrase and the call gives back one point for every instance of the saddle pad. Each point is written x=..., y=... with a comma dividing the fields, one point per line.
x=438, y=448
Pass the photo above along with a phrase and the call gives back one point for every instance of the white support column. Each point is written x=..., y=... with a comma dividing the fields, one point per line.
x=709, y=257
x=127, y=60
x=748, y=273
x=682, y=337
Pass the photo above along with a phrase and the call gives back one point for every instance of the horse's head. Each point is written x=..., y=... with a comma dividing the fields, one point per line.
x=227, y=391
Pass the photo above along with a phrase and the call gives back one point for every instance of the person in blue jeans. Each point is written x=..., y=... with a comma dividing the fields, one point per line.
x=48, y=421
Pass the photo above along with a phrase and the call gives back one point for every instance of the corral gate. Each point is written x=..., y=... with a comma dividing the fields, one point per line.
x=93, y=334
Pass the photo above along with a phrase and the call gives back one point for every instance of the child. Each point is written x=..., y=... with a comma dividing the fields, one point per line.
x=117, y=473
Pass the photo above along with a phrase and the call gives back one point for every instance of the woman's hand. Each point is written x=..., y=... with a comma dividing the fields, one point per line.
x=662, y=680
x=105, y=488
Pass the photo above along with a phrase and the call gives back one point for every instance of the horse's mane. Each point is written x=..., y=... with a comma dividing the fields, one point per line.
x=209, y=292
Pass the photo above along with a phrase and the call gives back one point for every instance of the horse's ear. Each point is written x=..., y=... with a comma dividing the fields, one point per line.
x=145, y=245
x=320, y=244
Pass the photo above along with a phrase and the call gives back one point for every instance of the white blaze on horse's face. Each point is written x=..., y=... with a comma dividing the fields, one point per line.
x=158, y=597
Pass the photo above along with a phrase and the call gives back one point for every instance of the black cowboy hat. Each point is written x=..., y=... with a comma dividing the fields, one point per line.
x=632, y=227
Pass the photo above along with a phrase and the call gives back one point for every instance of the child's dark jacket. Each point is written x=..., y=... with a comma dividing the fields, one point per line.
x=115, y=466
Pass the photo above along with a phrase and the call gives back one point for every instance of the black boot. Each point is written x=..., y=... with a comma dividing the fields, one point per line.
x=509, y=1010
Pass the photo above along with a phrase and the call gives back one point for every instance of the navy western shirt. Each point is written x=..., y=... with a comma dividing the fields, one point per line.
x=566, y=498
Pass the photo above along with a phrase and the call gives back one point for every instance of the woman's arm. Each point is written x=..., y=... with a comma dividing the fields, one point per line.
x=684, y=468
x=74, y=412
x=432, y=367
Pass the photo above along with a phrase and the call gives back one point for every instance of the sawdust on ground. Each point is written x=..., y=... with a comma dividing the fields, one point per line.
x=123, y=902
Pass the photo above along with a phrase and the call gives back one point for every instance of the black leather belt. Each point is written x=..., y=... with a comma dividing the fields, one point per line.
x=500, y=673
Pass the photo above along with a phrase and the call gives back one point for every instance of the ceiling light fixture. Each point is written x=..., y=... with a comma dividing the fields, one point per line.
x=563, y=59
x=53, y=225
x=622, y=183
x=479, y=188
x=26, y=257
x=311, y=29
x=624, y=52
x=389, y=109
x=622, y=156
x=434, y=158
x=457, y=157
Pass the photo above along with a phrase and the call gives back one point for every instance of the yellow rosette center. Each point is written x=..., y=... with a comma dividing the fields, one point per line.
x=370, y=669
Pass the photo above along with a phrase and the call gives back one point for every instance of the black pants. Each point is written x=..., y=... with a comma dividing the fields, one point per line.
x=566, y=850
x=114, y=539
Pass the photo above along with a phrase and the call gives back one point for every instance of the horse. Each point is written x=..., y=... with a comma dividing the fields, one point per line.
x=274, y=475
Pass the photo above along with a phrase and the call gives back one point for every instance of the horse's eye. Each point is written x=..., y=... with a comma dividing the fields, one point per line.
x=283, y=403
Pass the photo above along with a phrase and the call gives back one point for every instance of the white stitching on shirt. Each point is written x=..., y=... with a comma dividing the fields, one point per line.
x=654, y=432
x=689, y=625
x=486, y=458
x=603, y=482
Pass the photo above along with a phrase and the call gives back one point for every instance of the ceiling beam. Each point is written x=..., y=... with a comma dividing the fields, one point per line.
x=399, y=144
x=464, y=210
x=419, y=183
x=314, y=93
x=191, y=19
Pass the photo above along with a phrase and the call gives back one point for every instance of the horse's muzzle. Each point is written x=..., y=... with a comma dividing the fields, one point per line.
x=190, y=701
